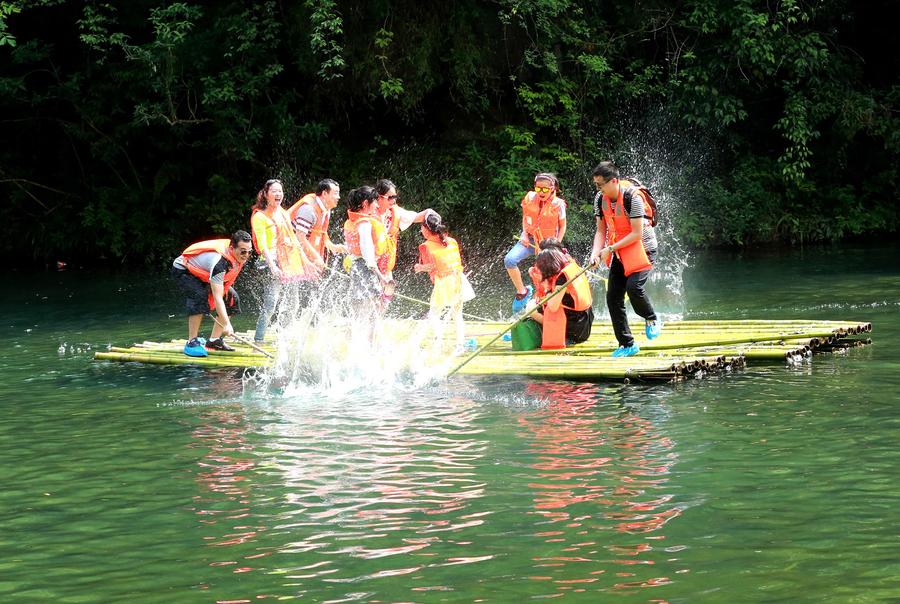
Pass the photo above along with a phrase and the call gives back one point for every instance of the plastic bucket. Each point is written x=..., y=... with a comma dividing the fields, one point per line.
x=526, y=335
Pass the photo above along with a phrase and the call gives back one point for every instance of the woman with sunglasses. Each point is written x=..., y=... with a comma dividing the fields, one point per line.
x=205, y=272
x=280, y=250
x=395, y=219
x=543, y=217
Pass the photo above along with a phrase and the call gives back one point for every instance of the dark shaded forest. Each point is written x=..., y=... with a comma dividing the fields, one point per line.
x=133, y=128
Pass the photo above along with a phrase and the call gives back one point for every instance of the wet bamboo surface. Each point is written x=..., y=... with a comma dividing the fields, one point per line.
x=683, y=349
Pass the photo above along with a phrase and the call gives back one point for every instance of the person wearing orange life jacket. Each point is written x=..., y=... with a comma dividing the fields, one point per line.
x=439, y=256
x=395, y=220
x=543, y=217
x=281, y=253
x=626, y=242
x=367, y=245
x=206, y=272
x=567, y=318
x=311, y=216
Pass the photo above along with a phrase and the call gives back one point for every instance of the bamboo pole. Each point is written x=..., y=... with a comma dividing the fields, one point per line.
x=177, y=359
x=525, y=314
x=408, y=298
x=241, y=339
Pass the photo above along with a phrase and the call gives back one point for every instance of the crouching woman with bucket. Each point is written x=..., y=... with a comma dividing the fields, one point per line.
x=565, y=319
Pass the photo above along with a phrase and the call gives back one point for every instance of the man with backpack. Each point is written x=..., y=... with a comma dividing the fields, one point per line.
x=626, y=241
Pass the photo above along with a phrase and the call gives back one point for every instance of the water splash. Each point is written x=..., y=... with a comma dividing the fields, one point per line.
x=326, y=346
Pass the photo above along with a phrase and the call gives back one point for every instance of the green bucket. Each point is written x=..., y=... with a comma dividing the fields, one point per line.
x=526, y=335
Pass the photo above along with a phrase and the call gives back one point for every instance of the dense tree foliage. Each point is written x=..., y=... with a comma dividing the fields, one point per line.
x=133, y=128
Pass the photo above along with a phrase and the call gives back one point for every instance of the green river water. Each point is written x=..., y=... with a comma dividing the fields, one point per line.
x=131, y=483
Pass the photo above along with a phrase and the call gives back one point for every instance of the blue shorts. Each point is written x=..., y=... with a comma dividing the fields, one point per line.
x=518, y=253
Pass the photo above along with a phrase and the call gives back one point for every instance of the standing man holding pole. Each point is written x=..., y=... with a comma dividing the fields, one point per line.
x=625, y=240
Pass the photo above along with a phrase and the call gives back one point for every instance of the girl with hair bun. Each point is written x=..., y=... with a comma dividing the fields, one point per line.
x=439, y=257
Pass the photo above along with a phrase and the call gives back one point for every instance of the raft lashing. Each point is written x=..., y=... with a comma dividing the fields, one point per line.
x=684, y=349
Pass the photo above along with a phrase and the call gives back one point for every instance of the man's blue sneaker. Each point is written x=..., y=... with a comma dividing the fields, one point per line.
x=522, y=300
x=194, y=348
x=652, y=329
x=626, y=351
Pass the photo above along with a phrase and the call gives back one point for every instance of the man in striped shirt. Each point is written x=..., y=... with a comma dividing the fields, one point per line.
x=626, y=240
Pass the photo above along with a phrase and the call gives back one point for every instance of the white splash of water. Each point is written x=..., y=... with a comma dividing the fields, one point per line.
x=326, y=348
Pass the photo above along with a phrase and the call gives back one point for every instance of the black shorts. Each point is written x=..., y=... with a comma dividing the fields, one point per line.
x=197, y=294
x=578, y=325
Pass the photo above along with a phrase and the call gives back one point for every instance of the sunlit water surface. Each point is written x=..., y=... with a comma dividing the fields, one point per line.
x=175, y=484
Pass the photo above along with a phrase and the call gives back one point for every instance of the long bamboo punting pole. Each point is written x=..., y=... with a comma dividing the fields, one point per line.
x=523, y=316
x=408, y=298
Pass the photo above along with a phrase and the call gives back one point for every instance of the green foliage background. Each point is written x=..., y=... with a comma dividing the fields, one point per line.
x=132, y=129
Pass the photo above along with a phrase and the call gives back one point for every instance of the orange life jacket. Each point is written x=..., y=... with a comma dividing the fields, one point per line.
x=392, y=229
x=221, y=247
x=288, y=252
x=541, y=222
x=318, y=233
x=446, y=259
x=351, y=233
x=553, y=334
x=618, y=226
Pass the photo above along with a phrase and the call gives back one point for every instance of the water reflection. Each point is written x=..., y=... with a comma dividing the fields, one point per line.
x=600, y=488
x=330, y=482
x=225, y=506
x=329, y=496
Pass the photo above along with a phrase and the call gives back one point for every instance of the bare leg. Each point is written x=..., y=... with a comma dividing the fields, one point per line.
x=194, y=325
x=216, y=330
x=515, y=275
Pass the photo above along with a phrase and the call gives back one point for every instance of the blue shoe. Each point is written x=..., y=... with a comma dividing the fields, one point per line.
x=626, y=351
x=507, y=337
x=522, y=300
x=652, y=329
x=193, y=348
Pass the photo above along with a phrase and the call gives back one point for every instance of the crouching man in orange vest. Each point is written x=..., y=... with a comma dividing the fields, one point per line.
x=565, y=319
x=625, y=240
x=206, y=272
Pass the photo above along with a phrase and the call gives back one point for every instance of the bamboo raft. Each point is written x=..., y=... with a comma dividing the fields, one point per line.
x=684, y=349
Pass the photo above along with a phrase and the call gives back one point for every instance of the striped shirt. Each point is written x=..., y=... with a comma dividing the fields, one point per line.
x=211, y=262
x=631, y=198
